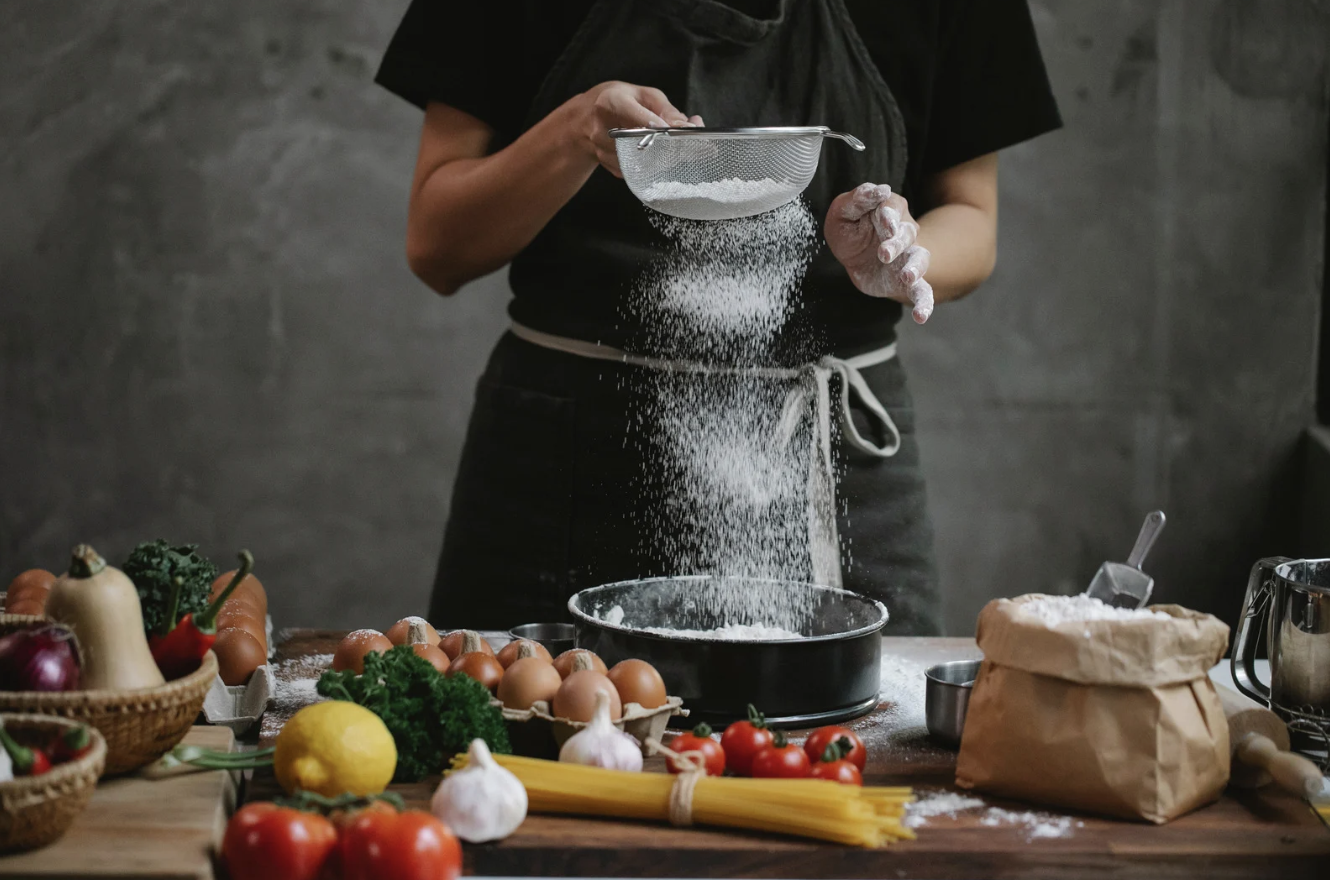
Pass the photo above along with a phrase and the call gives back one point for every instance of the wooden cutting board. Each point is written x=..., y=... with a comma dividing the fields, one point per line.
x=161, y=829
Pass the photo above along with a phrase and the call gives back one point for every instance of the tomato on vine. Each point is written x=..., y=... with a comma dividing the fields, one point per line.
x=818, y=740
x=780, y=760
x=742, y=740
x=699, y=740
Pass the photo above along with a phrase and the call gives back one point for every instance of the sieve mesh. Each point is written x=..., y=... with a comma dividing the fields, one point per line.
x=719, y=174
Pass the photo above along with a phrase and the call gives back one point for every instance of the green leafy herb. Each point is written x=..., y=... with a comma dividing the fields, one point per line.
x=154, y=566
x=431, y=717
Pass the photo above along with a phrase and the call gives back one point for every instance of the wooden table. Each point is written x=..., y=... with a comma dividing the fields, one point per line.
x=1245, y=834
x=161, y=829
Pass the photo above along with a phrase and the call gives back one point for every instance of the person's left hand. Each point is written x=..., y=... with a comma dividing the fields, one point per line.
x=870, y=230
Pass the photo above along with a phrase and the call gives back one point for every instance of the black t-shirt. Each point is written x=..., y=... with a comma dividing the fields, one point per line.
x=967, y=76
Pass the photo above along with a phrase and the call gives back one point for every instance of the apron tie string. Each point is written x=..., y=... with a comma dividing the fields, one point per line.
x=815, y=384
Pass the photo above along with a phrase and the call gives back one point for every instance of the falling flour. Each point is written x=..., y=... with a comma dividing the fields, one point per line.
x=728, y=481
x=1053, y=611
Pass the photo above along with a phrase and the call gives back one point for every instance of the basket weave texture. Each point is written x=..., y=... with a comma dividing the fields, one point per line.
x=139, y=726
x=38, y=810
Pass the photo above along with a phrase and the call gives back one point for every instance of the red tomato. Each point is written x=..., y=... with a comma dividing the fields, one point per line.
x=699, y=740
x=818, y=740
x=744, y=739
x=411, y=845
x=841, y=771
x=780, y=760
x=266, y=842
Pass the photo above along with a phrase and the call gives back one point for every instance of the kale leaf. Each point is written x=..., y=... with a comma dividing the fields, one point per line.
x=431, y=717
x=154, y=565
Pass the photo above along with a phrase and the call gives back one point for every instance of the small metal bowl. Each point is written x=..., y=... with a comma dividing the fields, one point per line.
x=946, y=697
x=556, y=637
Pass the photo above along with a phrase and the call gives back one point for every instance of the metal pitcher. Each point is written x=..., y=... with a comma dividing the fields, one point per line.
x=1291, y=599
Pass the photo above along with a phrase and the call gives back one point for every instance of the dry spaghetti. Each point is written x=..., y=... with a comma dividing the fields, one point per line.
x=867, y=816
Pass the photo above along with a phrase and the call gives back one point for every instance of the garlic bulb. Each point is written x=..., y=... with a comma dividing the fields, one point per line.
x=482, y=801
x=601, y=744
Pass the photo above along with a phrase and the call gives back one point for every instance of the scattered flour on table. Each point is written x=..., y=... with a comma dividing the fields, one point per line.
x=938, y=803
x=902, y=688
x=942, y=804
x=294, y=683
x=1055, y=610
x=1036, y=824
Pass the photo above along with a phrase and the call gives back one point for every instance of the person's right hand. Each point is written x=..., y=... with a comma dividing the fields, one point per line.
x=623, y=105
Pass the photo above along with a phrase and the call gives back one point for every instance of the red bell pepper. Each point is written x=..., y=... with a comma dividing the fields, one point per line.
x=74, y=742
x=27, y=762
x=181, y=650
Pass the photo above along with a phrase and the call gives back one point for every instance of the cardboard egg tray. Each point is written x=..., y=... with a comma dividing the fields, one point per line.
x=536, y=733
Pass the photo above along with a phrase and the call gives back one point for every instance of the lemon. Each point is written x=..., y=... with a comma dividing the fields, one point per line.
x=335, y=747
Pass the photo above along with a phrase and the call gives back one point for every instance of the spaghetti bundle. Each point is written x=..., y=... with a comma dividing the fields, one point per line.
x=849, y=814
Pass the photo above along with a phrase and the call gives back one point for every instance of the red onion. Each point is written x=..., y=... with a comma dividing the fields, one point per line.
x=39, y=659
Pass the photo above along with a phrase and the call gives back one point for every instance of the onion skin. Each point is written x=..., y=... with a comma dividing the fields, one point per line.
x=39, y=659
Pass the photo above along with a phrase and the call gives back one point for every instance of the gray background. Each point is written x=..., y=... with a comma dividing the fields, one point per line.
x=208, y=331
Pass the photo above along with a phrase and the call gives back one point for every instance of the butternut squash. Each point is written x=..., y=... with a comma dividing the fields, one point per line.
x=99, y=603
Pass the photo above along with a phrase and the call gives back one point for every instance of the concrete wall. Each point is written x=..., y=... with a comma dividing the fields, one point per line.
x=208, y=332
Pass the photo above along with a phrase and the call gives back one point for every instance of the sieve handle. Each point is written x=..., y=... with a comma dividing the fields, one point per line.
x=850, y=139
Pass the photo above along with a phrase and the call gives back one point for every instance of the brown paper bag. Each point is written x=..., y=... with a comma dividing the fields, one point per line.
x=1117, y=717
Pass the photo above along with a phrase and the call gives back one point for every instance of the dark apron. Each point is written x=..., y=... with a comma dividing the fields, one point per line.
x=551, y=488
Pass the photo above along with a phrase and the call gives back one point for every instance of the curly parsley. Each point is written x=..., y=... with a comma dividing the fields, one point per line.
x=430, y=716
x=154, y=566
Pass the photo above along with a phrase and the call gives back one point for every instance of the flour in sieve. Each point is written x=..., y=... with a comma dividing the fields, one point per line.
x=673, y=196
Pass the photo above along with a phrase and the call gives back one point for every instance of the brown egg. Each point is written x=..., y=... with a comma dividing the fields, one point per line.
x=464, y=641
x=250, y=587
x=432, y=653
x=576, y=697
x=238, y=603
x=399, y=633
x=578, y=658
x=254, y=627
x=238, y=655
x=528, y=680
x=35, y=583
x=483, y=667
x=351, y=652
x=30, y=606
x=515, y=650
x=637, y=681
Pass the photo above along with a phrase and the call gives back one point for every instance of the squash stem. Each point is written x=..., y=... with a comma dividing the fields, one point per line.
x=85, y=563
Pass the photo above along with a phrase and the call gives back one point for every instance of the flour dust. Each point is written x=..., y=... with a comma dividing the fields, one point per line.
x=731, y=445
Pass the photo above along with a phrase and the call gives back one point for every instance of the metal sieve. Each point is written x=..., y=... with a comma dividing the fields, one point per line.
x=720, y=173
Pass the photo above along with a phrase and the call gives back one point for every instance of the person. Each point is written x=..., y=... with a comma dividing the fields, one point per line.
x=516, y=167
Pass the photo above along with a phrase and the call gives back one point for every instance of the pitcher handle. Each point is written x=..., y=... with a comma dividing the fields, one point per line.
x=1255, y=606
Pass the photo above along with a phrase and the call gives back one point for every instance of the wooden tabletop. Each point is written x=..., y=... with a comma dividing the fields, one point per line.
x=161, y=829
x=1245, y=834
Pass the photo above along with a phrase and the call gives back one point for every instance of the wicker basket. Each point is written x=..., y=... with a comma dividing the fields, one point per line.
x=139, y=726
x=37, y=810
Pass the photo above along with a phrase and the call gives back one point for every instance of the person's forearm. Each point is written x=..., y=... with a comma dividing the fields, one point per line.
x=962, y=245
x=469, y=217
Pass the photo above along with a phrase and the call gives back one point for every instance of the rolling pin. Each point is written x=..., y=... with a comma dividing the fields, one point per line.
x=1259, y=742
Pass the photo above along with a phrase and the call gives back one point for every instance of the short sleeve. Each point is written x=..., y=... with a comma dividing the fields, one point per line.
x=991, y=89
x=444, y=51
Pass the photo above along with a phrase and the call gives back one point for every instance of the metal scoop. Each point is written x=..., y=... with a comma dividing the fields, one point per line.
x=1125, y=585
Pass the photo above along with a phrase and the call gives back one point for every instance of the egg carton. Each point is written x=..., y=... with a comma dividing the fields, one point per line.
x=240, y=707
x=537, y=733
